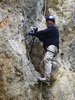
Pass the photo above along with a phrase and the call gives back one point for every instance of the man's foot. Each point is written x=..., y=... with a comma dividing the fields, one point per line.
x=42, y=79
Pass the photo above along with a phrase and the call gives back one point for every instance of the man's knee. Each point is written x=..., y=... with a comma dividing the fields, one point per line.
x=48, y=57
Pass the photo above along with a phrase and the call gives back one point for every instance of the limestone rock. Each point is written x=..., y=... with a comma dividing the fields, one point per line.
x=18, y=75
x=18, y=78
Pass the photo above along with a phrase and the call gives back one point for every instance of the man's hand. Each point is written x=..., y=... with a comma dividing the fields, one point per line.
x=33, y=31
x=30, y=33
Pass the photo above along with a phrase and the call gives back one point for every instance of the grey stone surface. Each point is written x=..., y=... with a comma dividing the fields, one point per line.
x=18, y=75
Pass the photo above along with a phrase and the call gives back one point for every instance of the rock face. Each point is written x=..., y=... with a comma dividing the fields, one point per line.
x=17, y=74
x=19, y=66
x=63, y=88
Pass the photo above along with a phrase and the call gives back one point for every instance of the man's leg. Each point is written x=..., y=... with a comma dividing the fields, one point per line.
x=48, y=57
x=48, y=64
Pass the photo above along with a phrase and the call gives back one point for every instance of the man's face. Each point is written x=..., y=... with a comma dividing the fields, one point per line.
x=49, y=23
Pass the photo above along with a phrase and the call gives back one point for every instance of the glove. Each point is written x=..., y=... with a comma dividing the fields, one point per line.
x=33, y=31
x=30, y=33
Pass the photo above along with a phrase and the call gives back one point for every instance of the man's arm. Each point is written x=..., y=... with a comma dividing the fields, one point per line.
x=42, y=32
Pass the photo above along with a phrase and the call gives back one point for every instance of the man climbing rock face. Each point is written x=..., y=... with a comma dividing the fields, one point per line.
x=50, y=39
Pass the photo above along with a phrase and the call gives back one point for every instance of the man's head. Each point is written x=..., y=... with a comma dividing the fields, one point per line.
x=50, y=20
